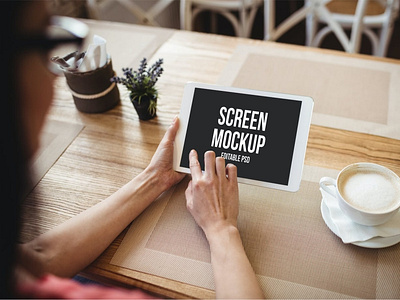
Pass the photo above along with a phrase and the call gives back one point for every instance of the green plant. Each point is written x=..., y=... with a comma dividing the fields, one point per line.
x=142, y=82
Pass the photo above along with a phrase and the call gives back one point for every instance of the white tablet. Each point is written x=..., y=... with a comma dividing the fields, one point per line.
x=263, y=133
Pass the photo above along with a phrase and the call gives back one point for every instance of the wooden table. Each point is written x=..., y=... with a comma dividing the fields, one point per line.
x=108, y=149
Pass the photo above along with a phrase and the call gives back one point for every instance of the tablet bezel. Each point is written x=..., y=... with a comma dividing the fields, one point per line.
x=300, y=144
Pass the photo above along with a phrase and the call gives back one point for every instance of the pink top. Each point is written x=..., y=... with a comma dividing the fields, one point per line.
x=50, y=286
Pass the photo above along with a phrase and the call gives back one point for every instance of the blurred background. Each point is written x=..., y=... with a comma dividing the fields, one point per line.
x=169, y=16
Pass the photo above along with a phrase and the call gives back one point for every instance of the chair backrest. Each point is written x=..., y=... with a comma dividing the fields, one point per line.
x=334, y=25
x=361, y=16
x=242, y=24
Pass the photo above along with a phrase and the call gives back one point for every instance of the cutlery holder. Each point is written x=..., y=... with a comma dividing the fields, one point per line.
x=92, y=91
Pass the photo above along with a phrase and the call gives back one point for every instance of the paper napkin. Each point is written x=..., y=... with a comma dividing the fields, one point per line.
x=96, y=55
x=350, y=231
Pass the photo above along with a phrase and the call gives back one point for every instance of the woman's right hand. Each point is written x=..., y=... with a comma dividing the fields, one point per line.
x=212, y=197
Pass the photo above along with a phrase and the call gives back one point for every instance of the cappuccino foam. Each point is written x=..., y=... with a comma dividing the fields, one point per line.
x=370, y=191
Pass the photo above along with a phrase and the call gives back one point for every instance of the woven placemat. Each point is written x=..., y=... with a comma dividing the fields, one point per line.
x=349, y=93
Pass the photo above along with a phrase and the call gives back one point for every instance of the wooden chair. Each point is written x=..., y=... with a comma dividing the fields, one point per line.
x=144, y=17
x=240, y=13
x=373, y=15
x=358, y=19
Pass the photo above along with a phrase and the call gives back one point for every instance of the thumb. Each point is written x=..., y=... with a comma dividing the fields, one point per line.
x=172, y=130
x=188, y=195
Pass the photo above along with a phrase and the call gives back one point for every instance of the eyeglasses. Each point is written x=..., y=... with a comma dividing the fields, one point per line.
x=63, y=38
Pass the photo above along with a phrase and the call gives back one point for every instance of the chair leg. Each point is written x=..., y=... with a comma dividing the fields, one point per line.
x=311, y=25
x=183, y=13
x=357, y=28
x=250, y=20
x=187, y=17
x=384, y=38
x=269, y=19
x=243, y=20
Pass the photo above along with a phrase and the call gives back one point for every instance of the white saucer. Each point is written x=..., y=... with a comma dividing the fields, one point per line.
x=376, y=242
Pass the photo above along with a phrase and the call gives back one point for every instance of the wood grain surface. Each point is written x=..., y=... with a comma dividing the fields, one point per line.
x=115, y=146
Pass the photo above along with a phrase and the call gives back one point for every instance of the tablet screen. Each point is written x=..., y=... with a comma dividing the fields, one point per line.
x=256, y=132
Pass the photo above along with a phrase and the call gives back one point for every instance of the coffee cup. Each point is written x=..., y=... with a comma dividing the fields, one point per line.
x=368, y=193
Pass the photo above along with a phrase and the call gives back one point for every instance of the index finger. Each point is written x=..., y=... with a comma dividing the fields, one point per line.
x=194, y=164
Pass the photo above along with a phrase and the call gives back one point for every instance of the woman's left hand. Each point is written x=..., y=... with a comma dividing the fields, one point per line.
x=161, y=162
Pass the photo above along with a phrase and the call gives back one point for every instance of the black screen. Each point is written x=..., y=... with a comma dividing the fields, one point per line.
x=256, y=133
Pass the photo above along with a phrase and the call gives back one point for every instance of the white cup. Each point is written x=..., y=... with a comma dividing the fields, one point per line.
x=367, y=193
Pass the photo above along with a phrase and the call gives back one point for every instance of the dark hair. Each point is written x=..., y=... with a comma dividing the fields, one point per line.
x=13, y=160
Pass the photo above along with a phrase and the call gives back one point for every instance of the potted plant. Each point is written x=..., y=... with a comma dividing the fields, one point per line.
x=141, y=85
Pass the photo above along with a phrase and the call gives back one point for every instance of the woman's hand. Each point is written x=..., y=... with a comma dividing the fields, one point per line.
x=56, y=250
x=161, y=162
x=213, y=196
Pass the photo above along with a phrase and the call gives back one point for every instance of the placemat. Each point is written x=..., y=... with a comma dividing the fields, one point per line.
x=349, y=93
x=291, y=249
x=55, y=138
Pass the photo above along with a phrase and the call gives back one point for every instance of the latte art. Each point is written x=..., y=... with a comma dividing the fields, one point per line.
x=370, y=191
